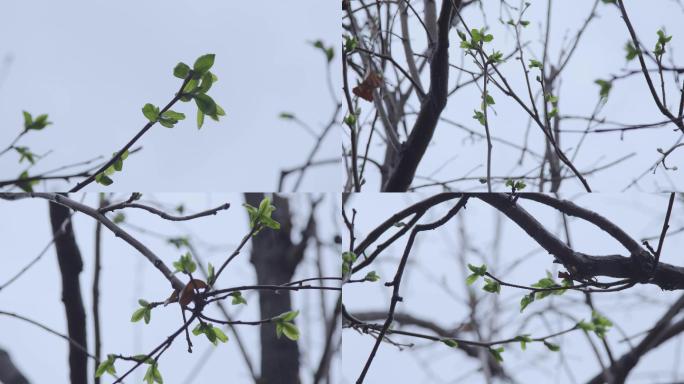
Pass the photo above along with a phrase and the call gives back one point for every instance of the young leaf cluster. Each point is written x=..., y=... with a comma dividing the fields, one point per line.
x=185, y=264
x=213, y=334
x=262, y=216
x=144, y=312
x=285, y=325
x=103, y=177
x=199, y=80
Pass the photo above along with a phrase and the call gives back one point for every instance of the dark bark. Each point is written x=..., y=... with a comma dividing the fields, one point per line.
x=71, y=265
x=9, y=373
x=275, y=258
x=412, y=151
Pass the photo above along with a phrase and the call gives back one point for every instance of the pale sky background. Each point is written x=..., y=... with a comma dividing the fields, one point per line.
x=127, y=276
x=92, y=65
x=454, y=154
x=434, y=289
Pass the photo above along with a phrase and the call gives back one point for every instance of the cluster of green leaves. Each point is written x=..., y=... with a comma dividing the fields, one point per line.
x=348, y=259
x=167, y=118
x=185, y=264
x=599, y=324
x=152, y=375
x=179, y=242
x=25, y=153
x=329, y=52
x=262, y=216
x=604, y=88
x=477, y=38
x=491, y=286
x=479, y=116
x=40, y=122
x=285, y=325
x=350, y=43
x=632, y=51
x=25, y=184
x=238, y=298
x=372, y=276
x=213, y=334
x=550, y=286
x=660, y=44
x=496, y=352
x=103, y=177
x=144, y=312
x=516, y=185
x=536, y=64
x=477, y=272
x=524, y=23
x=199, y=81
x=106, y=366
x=549, y=98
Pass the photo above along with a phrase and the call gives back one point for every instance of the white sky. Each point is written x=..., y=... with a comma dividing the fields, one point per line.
x=92, y=65
x=434, y=289
x=128, y=276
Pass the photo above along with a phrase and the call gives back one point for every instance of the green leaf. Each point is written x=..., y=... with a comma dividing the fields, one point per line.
x=492, y=286
x=173, y=115
x=472, y=278
x=143, y=303
x=207, y=81
x=328, y=51
x=605, y=87
x=220, y=335
x=480, y=271
x=119, y=218
x=211, y=274
x=39, y=123
x=290, y=331
x=138, y=315
x=589, y=327
x=497, y=353
x=496, y=57
x=203, y=64
x=205, y=104
x=372, y=276
x=632, y=51
x=450, y=343
x=479, y=116
x=181, y=70
x=535, y=64
x=237, y=298
x=185, y=264
x=106, y=366
x=287, y=116
x=523, y=339
x=525, y=301
x=350, y=43
x=151, y=112
x=288, y=316
x=103, y=179
x=25, y=153
x=551, y=346
x=152, y=375
x=200, y=119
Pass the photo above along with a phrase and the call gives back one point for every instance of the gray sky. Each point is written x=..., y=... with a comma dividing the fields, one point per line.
x=454, y=154
x=93, y=65
x=127, y=276
x=434, y=289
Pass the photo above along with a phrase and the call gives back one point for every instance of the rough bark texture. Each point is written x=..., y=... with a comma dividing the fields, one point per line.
x=9, y=373
x=275, y=258
x=70, y=266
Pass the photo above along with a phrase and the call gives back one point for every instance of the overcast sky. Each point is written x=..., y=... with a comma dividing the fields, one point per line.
x=127, y=276
x=433, y=288
x=92, y=65
x=454, y=153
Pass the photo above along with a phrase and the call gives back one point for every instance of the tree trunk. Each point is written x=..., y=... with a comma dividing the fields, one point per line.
x=275, y=258
x=71, y=265
x=9, y=373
